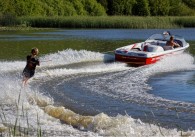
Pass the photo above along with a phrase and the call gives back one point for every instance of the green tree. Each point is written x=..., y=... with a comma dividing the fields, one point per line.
x=128, y=6
x=34, y=8
x=104, y=3
x=7, y=6
x=27, y=8
x=93, y=8
x=190, y=3
x=97, y=7
x=120, y=7
x=178, y=8
x=141, y=8
x=69, y=9
x=159, y=7
x=59, y=8
x=51, y=7
x=78, y=6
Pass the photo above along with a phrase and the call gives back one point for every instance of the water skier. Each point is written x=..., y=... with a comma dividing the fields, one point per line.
x=30, y=67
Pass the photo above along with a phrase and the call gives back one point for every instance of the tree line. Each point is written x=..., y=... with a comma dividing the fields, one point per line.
x=149, y=7
x=50, y=8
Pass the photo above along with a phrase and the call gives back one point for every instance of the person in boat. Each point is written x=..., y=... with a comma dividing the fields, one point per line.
x=30, y=67
x=172, y=43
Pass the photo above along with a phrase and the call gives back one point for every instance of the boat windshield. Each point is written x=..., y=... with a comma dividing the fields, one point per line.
x=159, y=37
x=166, y=37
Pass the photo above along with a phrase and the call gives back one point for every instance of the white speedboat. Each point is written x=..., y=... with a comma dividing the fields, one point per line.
x=151, y=50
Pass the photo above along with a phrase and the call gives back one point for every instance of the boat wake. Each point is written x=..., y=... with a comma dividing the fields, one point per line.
x=132, y=84
x=31, y=108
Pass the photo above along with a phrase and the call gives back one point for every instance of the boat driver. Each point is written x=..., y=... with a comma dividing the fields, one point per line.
x=172, y=43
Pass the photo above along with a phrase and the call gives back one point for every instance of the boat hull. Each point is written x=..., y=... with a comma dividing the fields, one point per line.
x=136, y=60
x=139, y=61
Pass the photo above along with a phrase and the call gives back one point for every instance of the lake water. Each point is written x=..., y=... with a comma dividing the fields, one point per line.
x=86, y=93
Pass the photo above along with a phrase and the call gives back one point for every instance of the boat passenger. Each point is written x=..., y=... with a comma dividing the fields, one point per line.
x=172, y=43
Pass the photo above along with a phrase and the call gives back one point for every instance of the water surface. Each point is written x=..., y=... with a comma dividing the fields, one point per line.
x=82, y=76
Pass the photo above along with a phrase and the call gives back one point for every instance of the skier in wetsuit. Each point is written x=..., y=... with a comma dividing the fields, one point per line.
x=30, y=67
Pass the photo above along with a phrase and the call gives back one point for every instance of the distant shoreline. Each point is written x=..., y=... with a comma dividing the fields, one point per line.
x=19, y=28
x=114, y=22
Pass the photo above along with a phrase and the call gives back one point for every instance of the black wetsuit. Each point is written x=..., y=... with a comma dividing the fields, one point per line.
x=31, y=64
